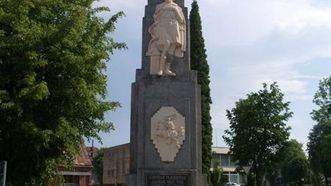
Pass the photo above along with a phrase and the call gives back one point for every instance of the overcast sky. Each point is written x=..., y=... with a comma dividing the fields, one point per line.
x=248, y=42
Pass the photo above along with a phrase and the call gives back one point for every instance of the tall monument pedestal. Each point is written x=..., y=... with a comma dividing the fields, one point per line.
x=165, y=107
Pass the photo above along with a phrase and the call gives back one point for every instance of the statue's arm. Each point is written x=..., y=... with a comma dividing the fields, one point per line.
x=156, y=15
x=180, y=15
x=158, y=8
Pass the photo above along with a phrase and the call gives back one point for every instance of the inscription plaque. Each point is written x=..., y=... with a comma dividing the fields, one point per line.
x=167, y=180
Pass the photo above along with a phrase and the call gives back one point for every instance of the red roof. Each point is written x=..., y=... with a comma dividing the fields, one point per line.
x=83, y=158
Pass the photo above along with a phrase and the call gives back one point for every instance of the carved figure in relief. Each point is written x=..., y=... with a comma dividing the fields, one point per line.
x=168, y=37
x=166, y=130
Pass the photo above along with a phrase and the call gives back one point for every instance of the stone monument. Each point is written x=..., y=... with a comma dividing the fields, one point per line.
x=165, y=105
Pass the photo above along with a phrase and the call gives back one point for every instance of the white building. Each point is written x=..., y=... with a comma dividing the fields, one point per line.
x=222, y=158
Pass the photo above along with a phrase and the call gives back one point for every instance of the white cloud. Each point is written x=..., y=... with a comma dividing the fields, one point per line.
x=245, y=22
x=252, y=75
x=131, y=6
x=292, y=86
x=296, y=15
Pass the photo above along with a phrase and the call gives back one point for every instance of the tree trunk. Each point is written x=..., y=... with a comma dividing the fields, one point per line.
x=326, y=180
x=259, y=178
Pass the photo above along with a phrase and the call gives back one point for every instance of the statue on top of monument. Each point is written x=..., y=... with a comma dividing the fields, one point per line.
x=168, y=37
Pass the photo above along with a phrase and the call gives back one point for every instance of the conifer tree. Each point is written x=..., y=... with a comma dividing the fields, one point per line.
x=200, y=64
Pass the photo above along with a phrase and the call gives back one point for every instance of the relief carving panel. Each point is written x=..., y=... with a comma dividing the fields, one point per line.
x=168, y=132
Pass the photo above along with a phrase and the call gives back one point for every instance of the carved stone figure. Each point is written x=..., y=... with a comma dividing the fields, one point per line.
x=168, y=37
x=168, y=132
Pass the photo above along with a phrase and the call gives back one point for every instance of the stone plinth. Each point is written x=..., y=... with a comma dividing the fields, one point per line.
x=148, y=97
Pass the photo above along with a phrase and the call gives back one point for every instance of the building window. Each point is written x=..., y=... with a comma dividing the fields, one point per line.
x=225, y=162
x=234, y=178
x=232, y=163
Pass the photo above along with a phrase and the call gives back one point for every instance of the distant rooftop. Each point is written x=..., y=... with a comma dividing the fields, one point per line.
x=83, y=158
x=221, y=150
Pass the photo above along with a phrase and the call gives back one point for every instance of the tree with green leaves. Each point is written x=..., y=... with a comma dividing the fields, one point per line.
x=258, y=129
x=200, y=64
x=293, y=163
x=320, y=136
x=326, y=149
x=217, y=177
x=322, y=100
x=98, y=165
x=251, y=179
x=53, y=56
x=319, y=151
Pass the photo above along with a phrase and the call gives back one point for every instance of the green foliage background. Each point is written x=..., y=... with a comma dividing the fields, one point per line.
x=216, y=176
x=98, y=165
x=200, y=64
x=257, y=129
x=319, y=148
x=291, y=165
x=53, y=56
